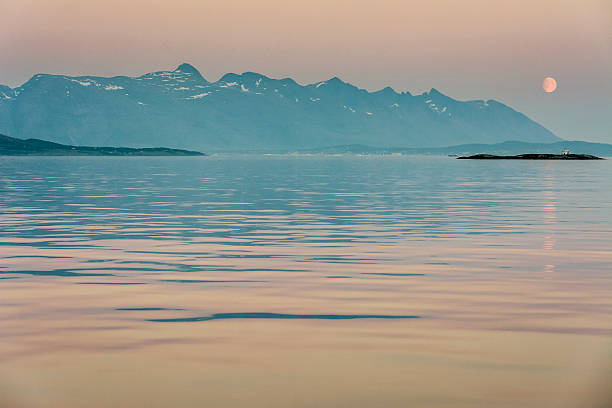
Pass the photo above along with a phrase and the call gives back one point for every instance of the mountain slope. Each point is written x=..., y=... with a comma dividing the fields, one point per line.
x=181, y=109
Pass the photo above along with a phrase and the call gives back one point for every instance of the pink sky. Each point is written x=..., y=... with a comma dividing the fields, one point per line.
x=468, y=49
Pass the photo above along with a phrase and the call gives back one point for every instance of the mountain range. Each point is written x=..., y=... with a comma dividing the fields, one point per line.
x=250, y=111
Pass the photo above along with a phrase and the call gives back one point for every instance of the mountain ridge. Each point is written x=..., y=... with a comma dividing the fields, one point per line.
x=181, y=109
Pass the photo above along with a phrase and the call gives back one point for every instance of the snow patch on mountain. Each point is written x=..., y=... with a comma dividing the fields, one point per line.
x=199, y=96
x=82, y=83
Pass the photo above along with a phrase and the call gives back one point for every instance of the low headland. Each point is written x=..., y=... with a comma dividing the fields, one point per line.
x=10, y=146
x=533, y=156
x=508, y=148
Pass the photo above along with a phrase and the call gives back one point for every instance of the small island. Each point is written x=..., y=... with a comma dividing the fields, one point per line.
x=11, y=146
x=534, y=156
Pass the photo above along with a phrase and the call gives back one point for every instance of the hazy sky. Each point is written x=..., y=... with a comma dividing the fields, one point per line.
x=467, y=49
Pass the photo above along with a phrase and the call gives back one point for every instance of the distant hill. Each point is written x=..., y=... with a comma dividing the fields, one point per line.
x=10, y=146
x=181, y=109
x=505, y=148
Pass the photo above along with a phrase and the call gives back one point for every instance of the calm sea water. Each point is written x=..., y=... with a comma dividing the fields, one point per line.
x=279, y=281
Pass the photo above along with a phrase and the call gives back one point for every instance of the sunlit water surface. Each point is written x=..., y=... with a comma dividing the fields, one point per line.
x=271, y=281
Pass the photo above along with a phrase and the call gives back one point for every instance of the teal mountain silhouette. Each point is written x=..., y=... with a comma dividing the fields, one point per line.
x=181, y=109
